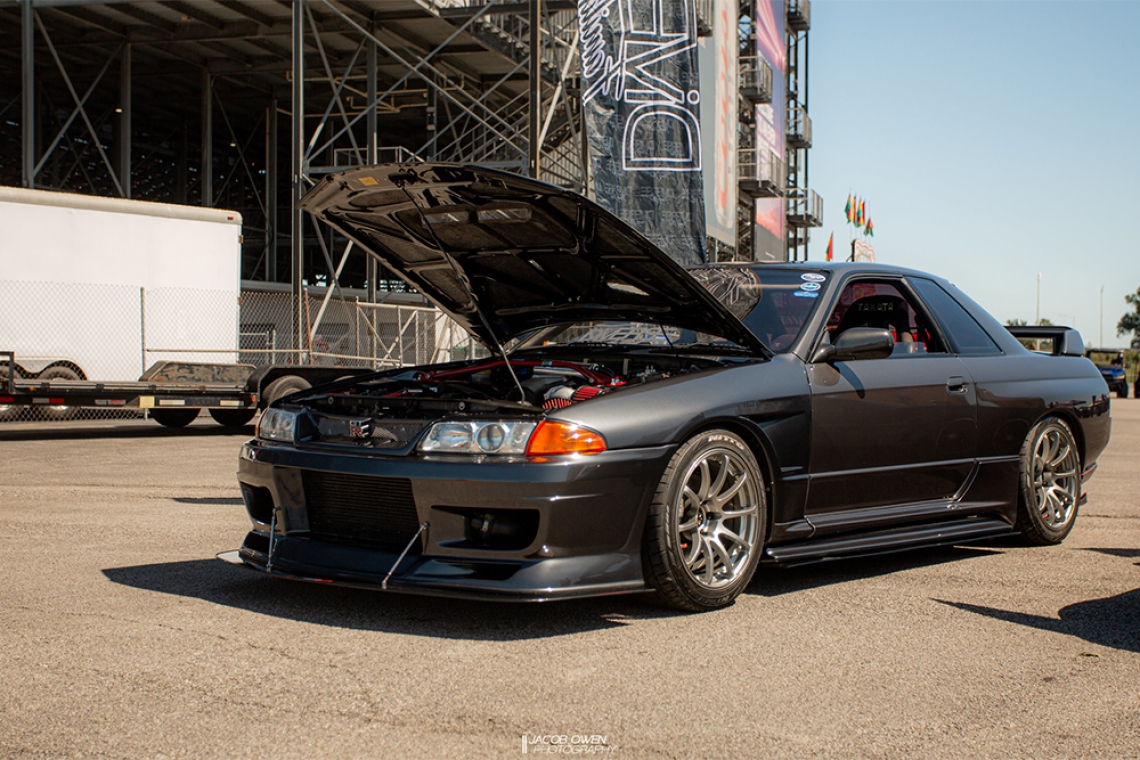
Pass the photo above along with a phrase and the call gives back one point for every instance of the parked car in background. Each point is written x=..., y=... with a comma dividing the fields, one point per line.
x=1110, y=362
x=643, y=428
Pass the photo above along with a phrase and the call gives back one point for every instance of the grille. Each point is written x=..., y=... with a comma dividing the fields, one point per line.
x=364, y=431
x=359, y=510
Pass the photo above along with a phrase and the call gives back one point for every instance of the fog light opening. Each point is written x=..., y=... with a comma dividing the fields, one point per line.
x=502, y=529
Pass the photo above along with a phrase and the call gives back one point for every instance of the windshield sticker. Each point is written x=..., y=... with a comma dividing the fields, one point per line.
x=813, y=277
x=738, y=289
x=805, y=294
x=811, y=287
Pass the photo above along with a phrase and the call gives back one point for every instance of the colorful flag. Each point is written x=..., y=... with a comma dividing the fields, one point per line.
x=858, y=213
x=870, y=228
x=830, y=249
x=848, y=210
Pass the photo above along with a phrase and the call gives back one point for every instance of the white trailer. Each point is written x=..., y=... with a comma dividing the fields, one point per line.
x=107, y=286
x=95, y=292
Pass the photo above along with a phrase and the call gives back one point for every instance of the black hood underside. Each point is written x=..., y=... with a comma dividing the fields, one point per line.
x=503, y=254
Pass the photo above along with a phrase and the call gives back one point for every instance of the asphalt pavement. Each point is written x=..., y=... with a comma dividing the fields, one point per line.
x=122, y=637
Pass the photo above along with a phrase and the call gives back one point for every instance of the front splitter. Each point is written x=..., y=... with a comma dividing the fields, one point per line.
x=429, y=588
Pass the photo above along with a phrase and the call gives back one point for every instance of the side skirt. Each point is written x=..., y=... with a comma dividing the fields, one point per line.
x=885, y=541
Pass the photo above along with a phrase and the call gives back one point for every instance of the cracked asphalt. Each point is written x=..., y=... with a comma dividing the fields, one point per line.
x=122, y=637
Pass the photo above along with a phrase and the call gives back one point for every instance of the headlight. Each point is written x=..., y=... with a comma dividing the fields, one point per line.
x=497, y=437
x=533, y=439
x=277, y=425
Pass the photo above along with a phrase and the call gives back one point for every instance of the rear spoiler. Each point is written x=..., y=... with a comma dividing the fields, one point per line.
x=1050, y=339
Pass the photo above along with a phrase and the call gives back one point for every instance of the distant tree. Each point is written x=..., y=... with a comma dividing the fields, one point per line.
x=1130, y=323
x=1016, y=323
x=1046, y=322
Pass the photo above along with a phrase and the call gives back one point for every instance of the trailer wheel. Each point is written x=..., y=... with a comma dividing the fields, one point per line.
x=233, y=418
x=58, y=372
x=283, y=386
x=7, y=411
x=174, y=418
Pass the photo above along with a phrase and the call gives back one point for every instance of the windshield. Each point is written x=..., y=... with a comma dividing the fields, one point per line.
x=774, y=304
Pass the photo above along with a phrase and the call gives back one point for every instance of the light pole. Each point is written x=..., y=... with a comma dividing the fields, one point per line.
x=1037, y=319
x=1101, y=343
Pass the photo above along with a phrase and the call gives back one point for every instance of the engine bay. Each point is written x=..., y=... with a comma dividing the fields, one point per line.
x=548, y=382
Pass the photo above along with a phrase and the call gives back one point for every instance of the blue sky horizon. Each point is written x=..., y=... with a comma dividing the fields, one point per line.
x=992, y=140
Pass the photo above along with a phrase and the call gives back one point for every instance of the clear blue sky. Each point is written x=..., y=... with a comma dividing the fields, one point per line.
x=992, y=140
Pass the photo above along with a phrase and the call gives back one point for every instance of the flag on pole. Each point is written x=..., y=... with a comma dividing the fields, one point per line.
x=830, y=248
x=858, y=213
x=862, y=215
x=870, y=228
x=848, y=210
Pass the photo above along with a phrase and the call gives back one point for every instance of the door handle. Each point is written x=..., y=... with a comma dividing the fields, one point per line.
x=957, y=385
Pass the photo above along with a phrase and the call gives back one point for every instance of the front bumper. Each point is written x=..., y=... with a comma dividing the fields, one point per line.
x=590, y=512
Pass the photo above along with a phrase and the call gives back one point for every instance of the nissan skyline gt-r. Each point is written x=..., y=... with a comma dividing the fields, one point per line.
x=640, y=427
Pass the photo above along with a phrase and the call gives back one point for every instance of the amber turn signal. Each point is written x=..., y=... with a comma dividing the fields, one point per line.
x=551, y=438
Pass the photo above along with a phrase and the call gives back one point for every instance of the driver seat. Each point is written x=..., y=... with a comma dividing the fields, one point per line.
x=884, y=312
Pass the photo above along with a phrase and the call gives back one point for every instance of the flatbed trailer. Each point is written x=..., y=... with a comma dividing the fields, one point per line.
x=173, y=393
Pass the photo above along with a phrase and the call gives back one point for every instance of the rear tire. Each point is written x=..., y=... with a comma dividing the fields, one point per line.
x=232, y=418
x=705, y=528
x=1049, y=483
x=282, y=387
x=174, y=418
x=58, y=372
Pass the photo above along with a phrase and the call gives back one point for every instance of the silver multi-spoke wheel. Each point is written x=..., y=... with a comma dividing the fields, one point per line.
x=705, y=528
x=1050, y=482
x=717, y=517
x=1056, y=480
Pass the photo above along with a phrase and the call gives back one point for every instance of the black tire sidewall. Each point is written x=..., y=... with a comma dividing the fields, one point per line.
x=176, y=417
x=58, y=372
x=234, y=418
x=283, y=386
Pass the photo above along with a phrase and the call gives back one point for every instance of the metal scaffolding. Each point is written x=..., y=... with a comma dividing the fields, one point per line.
x=207, y=102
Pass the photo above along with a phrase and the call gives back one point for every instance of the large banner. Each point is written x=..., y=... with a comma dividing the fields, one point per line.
x=641, y=96
x=769, y=241
x=718, y=57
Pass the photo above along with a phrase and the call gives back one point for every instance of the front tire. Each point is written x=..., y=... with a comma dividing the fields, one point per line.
x=705, y=528
x=1049, y=483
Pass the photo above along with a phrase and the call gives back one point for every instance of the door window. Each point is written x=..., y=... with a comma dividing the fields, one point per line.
x=883, y=304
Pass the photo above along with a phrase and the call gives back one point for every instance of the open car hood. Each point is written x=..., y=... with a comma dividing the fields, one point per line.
x=524, y=253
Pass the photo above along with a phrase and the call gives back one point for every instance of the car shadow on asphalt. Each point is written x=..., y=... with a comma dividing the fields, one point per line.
x=1127, y=553
x=359, y=609
x=1113, y=621
x=218, y=583
x=773, y=580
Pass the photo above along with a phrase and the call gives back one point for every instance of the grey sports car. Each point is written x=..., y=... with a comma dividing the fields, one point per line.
x=642, y=428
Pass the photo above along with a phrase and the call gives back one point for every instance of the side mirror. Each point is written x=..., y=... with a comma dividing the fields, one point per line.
x=857, y=343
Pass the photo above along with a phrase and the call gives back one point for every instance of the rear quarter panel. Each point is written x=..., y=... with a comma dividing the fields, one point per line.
x=1017, y=389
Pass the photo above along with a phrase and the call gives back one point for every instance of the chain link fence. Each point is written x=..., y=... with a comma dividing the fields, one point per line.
x=113, y=333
